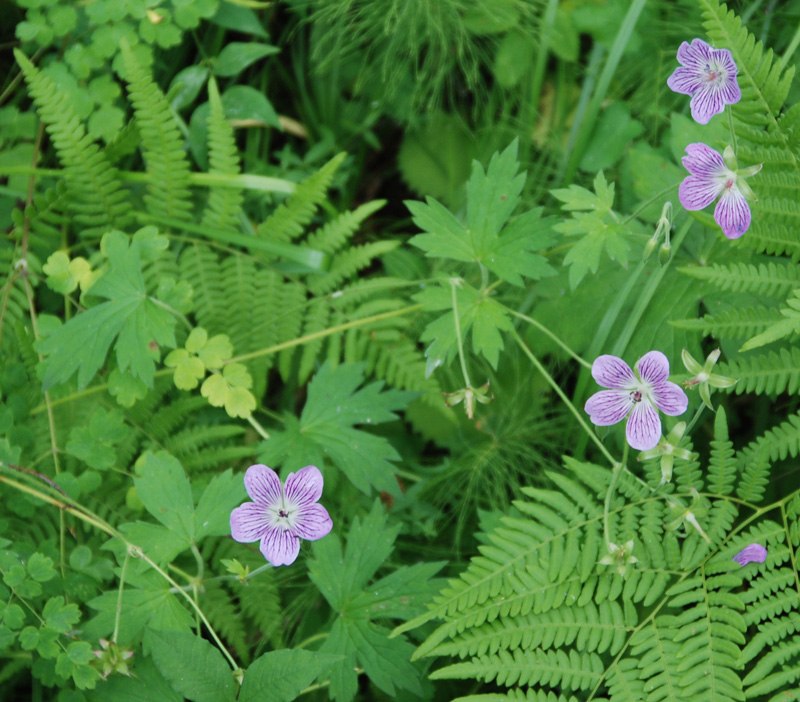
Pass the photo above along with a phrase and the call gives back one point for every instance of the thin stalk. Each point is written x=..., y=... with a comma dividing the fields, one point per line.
x=793, y=44
x=546, y=331
x=458, y=335
x=643, y=206
x=733, y=131
x=259, y=429
x=612, y=486
x=118, y=613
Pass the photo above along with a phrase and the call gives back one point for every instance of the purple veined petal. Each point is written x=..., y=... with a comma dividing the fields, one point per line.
x=685, y=81
x=752, y=553
x=249, y=522
x=697, y=192
x=653, y=367
x=644, y=427
x=669, y=398
x=730, y=91
x=732, y=213
x=608, y=407
x=263, y=484
x=303, y=487
x=280, y=546
x=312, y=522
x=706, y=103
x=724, y=59
x=695, y=55
x=612, y=372
x=702, y=160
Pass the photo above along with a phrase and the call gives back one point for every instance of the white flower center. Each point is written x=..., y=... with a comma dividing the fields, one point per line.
x=714, y=74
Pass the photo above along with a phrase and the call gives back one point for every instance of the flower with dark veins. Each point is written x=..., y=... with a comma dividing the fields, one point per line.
x=636, y=396
x=280, y=515
x=709, y=76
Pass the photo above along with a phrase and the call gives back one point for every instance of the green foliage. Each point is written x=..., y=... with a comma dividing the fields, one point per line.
x=326, y=433
x=342, y=579
x=280, y=676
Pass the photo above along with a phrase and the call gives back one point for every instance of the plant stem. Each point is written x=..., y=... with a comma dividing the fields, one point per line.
x=259, y=429
x=544, y=329
x=458, y=334
x=655, y=198
x=118, y=613
x=612, y=486
x=733, y=131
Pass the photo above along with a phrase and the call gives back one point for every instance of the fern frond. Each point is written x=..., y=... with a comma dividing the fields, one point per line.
x=96, y=196
x=336, y=233
x=773, y=279
x=734, y=323
x=316, y=320
x=224, y=204
x=200, y=447
x=769, y=373
x=288, y=221
x=779, y=442
x=199, y=265
x=347, y=263
x=223, y=613
x=168, y=192
x=46, y=220
x=576, y=671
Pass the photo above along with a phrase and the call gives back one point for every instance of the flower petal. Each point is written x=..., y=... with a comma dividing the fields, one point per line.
x=685, y=81
x=612, y=372
x=669, y=398
x=249, y=522
x=697, y=192
x=303, y=487
x=280, y=546
x=608, y=407
x=263, y=485
x=702, y=160
x=653, y=367
x=706, y=103
x=753, y=552
x=312, y=522
x=695, y=55
x=732, y=213
x=644, y=426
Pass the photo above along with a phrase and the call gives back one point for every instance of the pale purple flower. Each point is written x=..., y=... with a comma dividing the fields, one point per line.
x=709, y=76
x=279, y=515
x=635, y=396
x=710, y=177
x=752, y=553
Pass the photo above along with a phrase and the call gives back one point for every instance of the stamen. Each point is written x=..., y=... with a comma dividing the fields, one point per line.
x=636, y=395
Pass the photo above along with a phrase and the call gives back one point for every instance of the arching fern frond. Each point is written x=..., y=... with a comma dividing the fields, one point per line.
x=96, y=196
x=769, y=373
x=773, y=279
x=167, y=166
x=288, y=221
x=224, y=204
x=736, y=323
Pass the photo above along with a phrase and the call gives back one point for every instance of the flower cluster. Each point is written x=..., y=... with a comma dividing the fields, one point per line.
x=709, y=76
x=279, y=515
x=635, y=396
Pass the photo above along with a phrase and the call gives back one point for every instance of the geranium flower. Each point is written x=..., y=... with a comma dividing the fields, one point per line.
x=709, y=76
x=635, y=396
x=280, y=516
x=752, y=553
x=712, y=175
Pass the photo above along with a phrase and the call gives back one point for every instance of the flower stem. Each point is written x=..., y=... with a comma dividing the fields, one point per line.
x=119, y=597
x=733, y=131
x=544, y=329
x=458, y=334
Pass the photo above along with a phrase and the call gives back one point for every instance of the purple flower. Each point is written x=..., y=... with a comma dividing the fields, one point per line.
x=280, y=516
x=635, y=396
x=753, y=552
x=709, y=76
x=713, y=175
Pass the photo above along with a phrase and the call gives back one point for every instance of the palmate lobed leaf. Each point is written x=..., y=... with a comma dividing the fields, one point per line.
x=129, y=316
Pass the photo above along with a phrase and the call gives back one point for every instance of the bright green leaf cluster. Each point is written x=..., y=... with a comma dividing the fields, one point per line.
x=598, y=225
x=64, y=275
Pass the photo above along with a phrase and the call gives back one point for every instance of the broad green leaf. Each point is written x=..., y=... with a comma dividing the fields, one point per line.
x=63, y=274
x=165, y=492
x=243, y=102
x=447, y=237
x=148, y=685
x=280, y=676
x=129, y=316
x=186, y=86
x=193, y=666
x=231, y=390
x=94, y=443
x=239, y=18
x=325, y=433
x=60, y=616
x=614, y=131
x=158, y=542
x=213, y=514
x=237, y=56
x=127, y=389
x=41, y=568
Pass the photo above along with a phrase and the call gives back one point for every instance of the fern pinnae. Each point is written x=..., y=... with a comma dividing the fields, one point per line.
x=224, y=204
x=736, y=323
x=334, y=235
x=168, y=191
x=288, y=220
x=349, y=262
x=95, y=194
x=772, y=279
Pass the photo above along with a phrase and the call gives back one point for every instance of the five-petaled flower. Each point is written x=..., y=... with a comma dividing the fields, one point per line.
x=709, y=76
x=279, y=515
x=711, y=176
x=752, y=553
x=635, y=396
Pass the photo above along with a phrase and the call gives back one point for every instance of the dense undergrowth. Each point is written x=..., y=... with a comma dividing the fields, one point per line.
x=400, y=241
